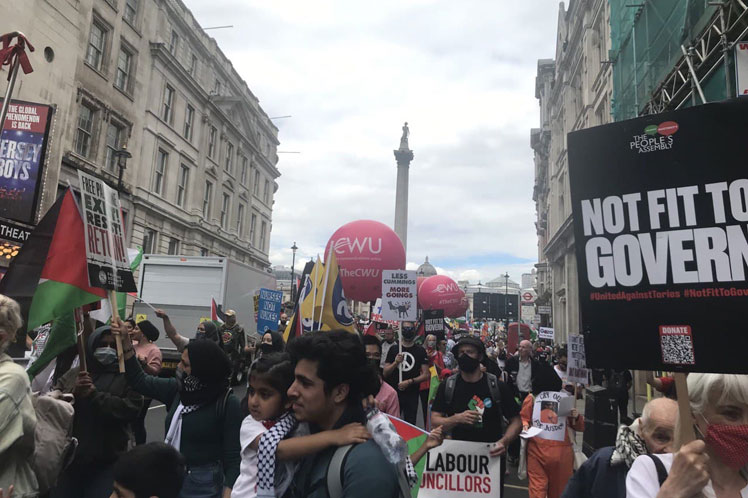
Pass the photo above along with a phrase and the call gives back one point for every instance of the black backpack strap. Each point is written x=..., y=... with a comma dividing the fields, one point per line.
x=221, y=405
x=660, y=467
x=449, y=388
x=493, y=388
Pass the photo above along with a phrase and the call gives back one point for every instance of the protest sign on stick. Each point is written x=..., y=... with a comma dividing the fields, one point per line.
x=576, y=366
x=545, y=333
x=660, y=207
x=269, y=304
x=399, y=300
x=107, y=260
x=460, y=469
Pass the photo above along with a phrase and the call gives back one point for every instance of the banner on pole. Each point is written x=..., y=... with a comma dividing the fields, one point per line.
x=576, y=366
x=660, y=205
x=460, y=469
x=269, y=310
x=399, y=300
x=433, y=321
x=545, y=333
x=23, y=146
x=108, y=263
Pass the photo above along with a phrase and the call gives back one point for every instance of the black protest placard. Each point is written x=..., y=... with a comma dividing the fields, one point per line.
x=433, y=321
x=108, y=264
x=660, y=207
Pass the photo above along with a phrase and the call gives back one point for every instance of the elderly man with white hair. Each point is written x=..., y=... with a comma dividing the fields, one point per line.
x=714, y=465
x=604, y=474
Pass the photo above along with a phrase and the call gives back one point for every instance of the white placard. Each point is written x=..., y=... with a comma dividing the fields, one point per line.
x=460, y=469
x=107, y=261
x=545, y=333
x=741, y=67
x=546, y=415
x=576, y=369
x=399, y=300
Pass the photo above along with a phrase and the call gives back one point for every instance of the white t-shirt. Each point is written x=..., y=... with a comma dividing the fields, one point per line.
x=642, y=481
x=246, y=484
x=524, y=376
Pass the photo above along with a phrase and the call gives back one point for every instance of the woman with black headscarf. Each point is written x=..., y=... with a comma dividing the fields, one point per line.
x=272, y=342
x=105, y=406
x=206, y=329
x=203, y=417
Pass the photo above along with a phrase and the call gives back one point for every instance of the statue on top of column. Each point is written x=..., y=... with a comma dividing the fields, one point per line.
x=404, y=138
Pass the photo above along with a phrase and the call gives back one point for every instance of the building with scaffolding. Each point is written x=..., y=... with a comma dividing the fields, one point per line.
x=669, y=54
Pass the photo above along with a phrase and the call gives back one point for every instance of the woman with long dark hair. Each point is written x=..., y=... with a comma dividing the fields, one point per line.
x=203, y=417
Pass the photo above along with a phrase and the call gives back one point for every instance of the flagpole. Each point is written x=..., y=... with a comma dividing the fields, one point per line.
x=79, y=338
x=324, y=287
x=314, y=289
x=117, y=338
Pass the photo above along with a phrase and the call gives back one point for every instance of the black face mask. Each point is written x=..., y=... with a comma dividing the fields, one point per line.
x=373, y=363
x=266, y=348
x=409, y=333
x=468, y=364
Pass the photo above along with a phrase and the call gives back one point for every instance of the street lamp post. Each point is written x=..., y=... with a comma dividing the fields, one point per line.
x=293, y=275
x=122, y=156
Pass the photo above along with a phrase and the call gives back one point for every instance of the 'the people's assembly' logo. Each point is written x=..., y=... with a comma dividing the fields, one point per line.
x=655, y=137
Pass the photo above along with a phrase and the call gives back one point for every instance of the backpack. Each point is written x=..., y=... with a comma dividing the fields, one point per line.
x=660, y=468
x=493, y=389
x=335, y=474
x=54, y=444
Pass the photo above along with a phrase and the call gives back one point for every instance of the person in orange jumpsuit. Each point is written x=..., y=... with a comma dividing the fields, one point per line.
x=550, y=464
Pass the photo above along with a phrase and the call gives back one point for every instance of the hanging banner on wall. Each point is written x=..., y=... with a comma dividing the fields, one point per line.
x=23, y=146
x=660, y=206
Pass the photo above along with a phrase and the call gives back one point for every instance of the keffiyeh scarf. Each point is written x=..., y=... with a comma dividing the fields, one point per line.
x=629, y=445
x=266, y=453
x=174, y=436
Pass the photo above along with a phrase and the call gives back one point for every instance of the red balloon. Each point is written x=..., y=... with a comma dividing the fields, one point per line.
x=442, y=293
x=363, y=249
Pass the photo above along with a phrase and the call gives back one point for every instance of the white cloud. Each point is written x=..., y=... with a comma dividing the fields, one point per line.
x=461, y=73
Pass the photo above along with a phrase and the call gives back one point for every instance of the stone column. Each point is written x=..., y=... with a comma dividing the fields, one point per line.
x=404, y=156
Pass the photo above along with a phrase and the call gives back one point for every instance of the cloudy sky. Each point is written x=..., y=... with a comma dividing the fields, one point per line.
x=351, y=72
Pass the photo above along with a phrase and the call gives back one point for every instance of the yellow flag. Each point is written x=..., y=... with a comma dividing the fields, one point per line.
x=335, y=312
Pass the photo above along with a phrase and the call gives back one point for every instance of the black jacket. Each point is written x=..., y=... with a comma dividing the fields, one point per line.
x=597, y=478
x=539, y=374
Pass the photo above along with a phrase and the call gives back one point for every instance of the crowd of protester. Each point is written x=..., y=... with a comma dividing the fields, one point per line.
x=311, y=399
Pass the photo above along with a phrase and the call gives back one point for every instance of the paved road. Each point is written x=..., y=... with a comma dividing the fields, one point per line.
x=154, y=424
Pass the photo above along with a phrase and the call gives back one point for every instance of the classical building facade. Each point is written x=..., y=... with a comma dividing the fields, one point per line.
x=574, y=92
x=143, y=74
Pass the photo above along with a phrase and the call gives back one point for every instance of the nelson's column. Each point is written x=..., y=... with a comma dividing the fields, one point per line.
x=404, y=156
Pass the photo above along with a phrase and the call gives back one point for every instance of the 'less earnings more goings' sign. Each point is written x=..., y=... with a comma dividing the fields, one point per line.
x=660, y=208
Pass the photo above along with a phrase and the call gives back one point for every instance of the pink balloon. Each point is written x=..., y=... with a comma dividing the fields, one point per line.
x=442, y=293
x=363, y=249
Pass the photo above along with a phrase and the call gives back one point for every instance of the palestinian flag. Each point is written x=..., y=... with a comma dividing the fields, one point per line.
x=49, y=277
x=414, y=437
x=216, y=313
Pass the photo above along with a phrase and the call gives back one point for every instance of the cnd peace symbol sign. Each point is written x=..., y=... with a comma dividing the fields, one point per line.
x=409, y=361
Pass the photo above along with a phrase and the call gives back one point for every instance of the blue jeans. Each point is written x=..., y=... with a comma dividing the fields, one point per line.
x=203, y=481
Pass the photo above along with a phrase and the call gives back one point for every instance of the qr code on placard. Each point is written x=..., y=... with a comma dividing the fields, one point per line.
x=677, y=349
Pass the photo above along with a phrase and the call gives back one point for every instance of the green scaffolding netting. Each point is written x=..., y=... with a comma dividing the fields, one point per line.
x=646, y=36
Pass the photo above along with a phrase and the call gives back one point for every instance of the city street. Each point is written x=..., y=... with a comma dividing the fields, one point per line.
x=154, y=424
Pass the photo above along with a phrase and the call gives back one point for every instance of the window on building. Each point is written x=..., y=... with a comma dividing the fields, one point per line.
x=85, y=130
x=124, y=69
x=252, y=227
x=262, y=236
x=184, y=178
x=225, y=206
x=266, y=192
x=149, y=241
x=203, y=251
x=212, y=142
x=207, y=199
x=240, y=220
x=256, y=185
x=96, y=45
x=193, y=65
x=245, y=166
x=167, y=111
x=229, y=157
x=114, y=135
x=173, y=246
x=131, y=11
x=174, y=43
x=189, y=117
x=162, y=159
